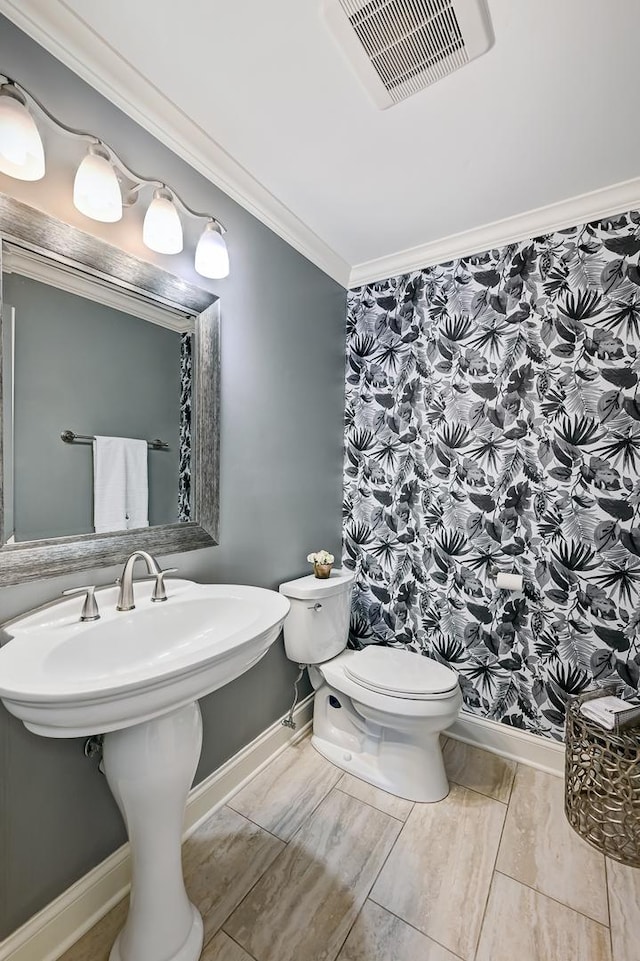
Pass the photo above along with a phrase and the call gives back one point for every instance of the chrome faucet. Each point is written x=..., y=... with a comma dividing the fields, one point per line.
x=125, y=597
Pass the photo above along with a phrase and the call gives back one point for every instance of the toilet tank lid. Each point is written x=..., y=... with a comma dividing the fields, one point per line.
x=311, y=588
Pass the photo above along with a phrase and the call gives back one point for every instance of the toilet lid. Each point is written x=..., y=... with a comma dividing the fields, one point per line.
x=398, y=672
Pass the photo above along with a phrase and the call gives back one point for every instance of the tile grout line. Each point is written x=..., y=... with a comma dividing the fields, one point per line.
x=513, y=784
x=472, y=791
x=490, y=796
x=374, y=808
x=606, y=886
x=286, y=845
x=244, y=898
x=270, y=865
x=220, y=928
x=253, y=958
x=550, y=897
x=334, y=787
x=276, y=837
x=493, y=869
x=429, y=937
x=306, y=818
x=371, y=886
x=389, y=855
x=311, y=813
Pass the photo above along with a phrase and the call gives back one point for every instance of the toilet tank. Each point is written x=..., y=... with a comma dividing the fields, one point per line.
x=317, y=626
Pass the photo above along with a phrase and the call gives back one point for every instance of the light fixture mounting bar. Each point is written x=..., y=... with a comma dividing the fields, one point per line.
x=131, y=182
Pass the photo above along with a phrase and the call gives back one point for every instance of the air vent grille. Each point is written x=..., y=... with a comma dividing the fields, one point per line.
x=410, y=44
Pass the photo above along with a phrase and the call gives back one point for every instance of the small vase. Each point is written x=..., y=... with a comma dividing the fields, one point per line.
x=322, y=570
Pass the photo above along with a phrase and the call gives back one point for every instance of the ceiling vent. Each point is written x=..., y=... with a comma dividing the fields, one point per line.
x=398, y=47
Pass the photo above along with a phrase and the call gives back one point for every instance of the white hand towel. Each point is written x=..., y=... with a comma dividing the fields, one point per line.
x=120, y=484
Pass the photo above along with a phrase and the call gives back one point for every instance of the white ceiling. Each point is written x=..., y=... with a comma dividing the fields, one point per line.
x=277, y=118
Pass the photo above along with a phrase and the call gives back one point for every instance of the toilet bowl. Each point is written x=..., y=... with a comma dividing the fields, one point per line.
x=378, y=713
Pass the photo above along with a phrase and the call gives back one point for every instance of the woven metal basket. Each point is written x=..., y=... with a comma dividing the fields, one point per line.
x=602, y=784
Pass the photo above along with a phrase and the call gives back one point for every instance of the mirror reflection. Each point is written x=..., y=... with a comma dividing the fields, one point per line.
x=97, y=405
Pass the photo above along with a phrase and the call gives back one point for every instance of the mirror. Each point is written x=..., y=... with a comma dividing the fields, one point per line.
x=78, y=363
x=96, y=343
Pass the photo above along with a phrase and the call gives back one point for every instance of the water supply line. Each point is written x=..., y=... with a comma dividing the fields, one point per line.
x=288, y=720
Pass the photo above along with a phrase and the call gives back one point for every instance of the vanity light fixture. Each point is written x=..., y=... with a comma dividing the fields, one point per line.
x=103, y=183
x=212, y=256
x=96, y=191
x=162, y=229
x=21, y=150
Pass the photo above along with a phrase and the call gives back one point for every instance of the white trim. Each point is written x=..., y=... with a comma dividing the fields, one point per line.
x=69, y=39
x=604, y=202
x=530, y=749
x=51, y=932
x=18, y=261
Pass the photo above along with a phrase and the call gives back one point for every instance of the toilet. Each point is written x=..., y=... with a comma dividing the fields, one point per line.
x=377, y=713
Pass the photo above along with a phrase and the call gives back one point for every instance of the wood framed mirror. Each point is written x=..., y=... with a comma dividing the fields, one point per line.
x=74, y=261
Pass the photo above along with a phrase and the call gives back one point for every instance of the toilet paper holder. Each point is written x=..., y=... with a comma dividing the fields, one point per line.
x=507, y=581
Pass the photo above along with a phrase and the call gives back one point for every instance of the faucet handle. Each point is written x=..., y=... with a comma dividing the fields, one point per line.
x=159, y=591
x=90, y=610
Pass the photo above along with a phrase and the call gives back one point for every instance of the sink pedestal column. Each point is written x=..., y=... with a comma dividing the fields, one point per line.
x=150, y=768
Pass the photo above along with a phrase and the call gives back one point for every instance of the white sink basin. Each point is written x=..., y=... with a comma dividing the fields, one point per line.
x=136, y=677
x=64, y=678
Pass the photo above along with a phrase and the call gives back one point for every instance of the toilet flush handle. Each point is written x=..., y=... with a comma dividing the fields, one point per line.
x=315, y=607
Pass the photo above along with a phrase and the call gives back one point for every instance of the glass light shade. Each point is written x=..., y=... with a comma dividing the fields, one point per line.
x=162, y=229
x=21, y=150
x=212, y=256
x=96, y=191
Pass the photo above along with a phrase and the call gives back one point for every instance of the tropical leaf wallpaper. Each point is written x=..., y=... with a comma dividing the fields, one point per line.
x=186, y=390
x=493, y=424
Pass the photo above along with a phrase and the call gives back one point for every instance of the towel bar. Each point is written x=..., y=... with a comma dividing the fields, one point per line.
x=69, y=437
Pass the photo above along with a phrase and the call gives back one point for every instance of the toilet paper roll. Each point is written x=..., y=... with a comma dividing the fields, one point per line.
x=509, y=582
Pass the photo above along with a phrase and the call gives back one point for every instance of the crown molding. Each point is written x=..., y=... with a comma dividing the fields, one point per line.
x=604, y=202
x=63, y=34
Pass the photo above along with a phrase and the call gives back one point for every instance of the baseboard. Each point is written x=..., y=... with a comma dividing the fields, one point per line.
x=539, y=752
x=51, y=932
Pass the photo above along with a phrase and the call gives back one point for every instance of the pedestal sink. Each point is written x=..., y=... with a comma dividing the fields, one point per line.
x=136, y=678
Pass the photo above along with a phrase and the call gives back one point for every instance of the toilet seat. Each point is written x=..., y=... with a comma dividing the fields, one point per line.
x=335, y=674
x=400, y=673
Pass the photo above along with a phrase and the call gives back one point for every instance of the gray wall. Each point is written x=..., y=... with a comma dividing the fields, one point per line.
x=283, y=325
x=95, y=370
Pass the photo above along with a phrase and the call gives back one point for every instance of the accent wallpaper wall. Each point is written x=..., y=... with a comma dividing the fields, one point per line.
x=493, y=423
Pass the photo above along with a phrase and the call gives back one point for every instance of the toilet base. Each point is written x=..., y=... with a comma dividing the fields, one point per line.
x=395, y=750
x=428, y=785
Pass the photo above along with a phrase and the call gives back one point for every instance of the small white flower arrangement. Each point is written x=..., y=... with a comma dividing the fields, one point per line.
x=322, y=561
x=321, y=557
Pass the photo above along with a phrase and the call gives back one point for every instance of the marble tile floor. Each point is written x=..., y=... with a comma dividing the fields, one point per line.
x=309, y=864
